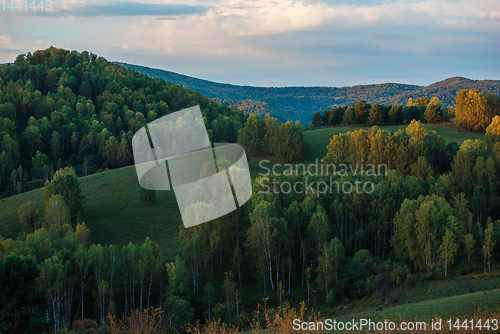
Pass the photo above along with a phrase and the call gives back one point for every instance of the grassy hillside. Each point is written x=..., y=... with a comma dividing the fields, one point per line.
x=441, y=298
x=112, y=210
x=300, y=103
x=115, y=214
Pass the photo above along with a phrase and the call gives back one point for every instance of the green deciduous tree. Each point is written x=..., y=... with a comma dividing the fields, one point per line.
x=329, y=264
x=489, y=243
x=433, y=111
x=32, y=138
x=83, y=261
x=469, y=245
x=11, y=149
x=271, y=125
x=361, y=111
x=422, y=168
x=376, y=115
x=448, y=249
x=396, y=114
x=55, y=277
x=289, y=142
x=56, y=147
x=111, y=150
x=316, y=119
x=420, y=226
x=318, y=230
x=29, y=215
x=230, y=291
x=66, y=184
x=178, y=277
x=209, y=292
x=56, y=212
x=251, y=136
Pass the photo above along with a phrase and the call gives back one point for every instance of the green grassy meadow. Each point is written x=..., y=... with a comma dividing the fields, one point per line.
x=440, y=298
x=112, y=211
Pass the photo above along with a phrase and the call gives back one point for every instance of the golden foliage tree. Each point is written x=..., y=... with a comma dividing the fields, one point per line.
x=471, y=111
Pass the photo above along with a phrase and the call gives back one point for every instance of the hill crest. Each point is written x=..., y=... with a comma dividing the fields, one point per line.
x=300, y=103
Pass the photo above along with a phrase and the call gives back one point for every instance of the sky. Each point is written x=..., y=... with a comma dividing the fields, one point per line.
x=271, y=42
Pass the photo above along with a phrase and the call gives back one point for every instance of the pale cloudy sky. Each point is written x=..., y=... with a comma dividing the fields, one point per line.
x=273, y=43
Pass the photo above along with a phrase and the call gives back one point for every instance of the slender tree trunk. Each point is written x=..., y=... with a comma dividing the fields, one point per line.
x=237, y=303
x=239, y=270
x=150, y=284
x=126, y=302
x=140, y=298
x=289, y=274
x=209, y=317
x=81, y=296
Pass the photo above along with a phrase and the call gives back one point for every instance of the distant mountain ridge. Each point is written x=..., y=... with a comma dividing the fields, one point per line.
x=300, y=103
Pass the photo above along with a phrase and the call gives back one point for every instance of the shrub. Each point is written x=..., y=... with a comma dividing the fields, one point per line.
x=86, y=326
x=29, y=215
x=145, y=322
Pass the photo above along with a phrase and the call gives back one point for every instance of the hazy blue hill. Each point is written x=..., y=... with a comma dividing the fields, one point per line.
x=446, y=90
x=300, y=103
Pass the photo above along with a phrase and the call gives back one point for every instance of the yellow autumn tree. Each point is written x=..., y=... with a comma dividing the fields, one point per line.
x=471, y=110
x=416, y=129
x=493, y=131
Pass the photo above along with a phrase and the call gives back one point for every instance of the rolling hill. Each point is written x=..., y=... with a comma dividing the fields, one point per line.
x=115, y=214
x=300, y=103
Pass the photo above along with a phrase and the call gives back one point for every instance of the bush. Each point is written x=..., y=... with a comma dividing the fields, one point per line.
x=364, y=288
x=145, y=322
x=29, y=215
x=212, y=327
x=85, y=326
x=223, y=311
x=410, y=281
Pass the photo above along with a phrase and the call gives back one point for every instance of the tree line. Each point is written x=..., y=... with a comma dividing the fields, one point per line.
x=473, y=111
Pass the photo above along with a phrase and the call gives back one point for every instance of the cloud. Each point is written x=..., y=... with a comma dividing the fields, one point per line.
x=119, y=8
x=9, y=49
x=495, y=15
x=280, y=42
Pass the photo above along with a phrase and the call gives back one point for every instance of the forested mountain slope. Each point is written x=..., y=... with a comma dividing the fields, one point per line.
x=300, y=103
x=61, y=108
x=446, y=90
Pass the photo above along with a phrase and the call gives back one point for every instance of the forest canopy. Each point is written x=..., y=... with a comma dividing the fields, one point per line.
x=60, y=108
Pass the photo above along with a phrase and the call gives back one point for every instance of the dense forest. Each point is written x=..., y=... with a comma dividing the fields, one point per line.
x=431, y=213
x=60, y=108
x=299, y=103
